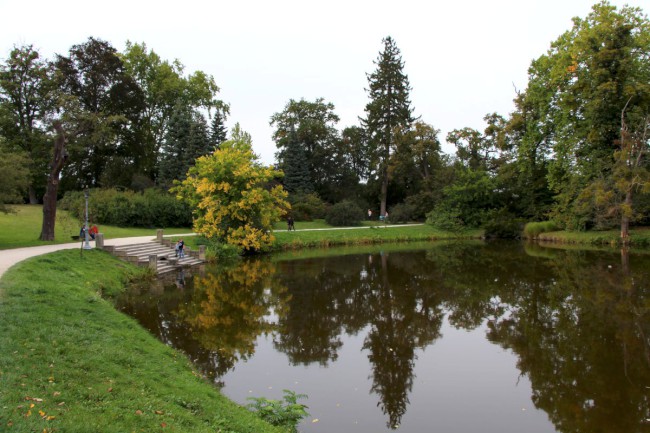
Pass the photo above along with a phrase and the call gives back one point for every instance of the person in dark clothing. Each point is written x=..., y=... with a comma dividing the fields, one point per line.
x=290, y=225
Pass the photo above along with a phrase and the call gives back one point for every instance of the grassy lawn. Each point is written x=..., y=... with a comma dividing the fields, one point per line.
x=364, y=236
x=638, y=236
x=22, y=229
x=71, y=363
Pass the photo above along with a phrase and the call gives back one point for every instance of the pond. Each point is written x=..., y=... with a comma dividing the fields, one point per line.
x=451, y=337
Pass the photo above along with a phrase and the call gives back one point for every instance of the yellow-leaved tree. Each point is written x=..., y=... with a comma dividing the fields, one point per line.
x=233, y=196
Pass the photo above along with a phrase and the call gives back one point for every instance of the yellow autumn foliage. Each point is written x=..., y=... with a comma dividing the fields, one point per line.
x=232, y=195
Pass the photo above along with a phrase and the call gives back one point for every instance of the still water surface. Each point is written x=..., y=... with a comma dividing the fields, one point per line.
x=448, y=337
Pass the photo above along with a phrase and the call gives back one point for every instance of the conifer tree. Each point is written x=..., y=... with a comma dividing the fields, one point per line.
x=218, y=130
x=295, y=167
x=389, y=109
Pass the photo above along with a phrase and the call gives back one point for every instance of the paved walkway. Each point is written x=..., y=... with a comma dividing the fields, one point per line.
x=8, y=258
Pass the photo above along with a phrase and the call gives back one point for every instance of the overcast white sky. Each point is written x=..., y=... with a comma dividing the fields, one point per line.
x=463, y=58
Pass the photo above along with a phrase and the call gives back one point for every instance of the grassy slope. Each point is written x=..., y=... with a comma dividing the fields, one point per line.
x=71, y=355
x=23, y=228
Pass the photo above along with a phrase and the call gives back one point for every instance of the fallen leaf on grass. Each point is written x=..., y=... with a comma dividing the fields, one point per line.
x=36, y=399
x=159, y=412
x=138, y=412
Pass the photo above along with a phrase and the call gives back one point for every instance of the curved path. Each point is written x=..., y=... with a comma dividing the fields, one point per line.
x=8, y=258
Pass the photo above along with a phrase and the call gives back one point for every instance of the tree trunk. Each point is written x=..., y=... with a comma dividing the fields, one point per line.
x=625, y=219
x=49, y=199
x=32, y=195
x=384, y=191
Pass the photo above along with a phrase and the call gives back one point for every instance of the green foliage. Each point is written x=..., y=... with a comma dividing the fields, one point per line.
x=402, y=213
x=215, y=251
x=580, y=88
x=26, y=101
x=444, y=217
x=531, y=230
x=14, y=179
x=307, y=207
x=296, y=168
x=233, y=196
x=310, y=146
x=186, y=140
x=389, y=108
x=345, y=213
x=286, y=413
x=468, y=200
x=501, y=224
x=152, y=208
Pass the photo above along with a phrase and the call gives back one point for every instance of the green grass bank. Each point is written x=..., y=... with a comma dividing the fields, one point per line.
x=365, y=236
x=71, y=363
x=22, y=229
x=639, y=236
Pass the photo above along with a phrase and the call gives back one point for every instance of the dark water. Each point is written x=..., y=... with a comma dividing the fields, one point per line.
x=450, y=337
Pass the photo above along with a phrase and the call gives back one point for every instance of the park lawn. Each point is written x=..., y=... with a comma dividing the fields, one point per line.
x=71, y=363
x=639, y=236
x=365, y=235
x=22, y=229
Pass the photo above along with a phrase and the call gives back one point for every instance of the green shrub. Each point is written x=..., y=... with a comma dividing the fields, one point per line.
x=402, y=213
x=345, y=213
x=286, y=413
x=151, y=208
x=215, y=250
x=445, y=218
x=503, y=225
x=307, y=207
x=532, y=230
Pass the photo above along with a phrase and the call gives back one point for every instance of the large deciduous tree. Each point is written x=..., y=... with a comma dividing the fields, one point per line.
x=585, y=80
x=107, y=106
x=389, y=109
x=312, y=127
x=26, y=100
x=164, y=87
x=234, y=196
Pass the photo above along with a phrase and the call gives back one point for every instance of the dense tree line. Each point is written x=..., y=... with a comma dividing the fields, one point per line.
x=131, y=120
x=574, y=149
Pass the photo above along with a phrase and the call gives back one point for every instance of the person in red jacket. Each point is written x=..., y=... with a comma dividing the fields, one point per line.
x=93, y=231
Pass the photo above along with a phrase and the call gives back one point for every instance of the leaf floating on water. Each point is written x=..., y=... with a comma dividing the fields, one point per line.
x=315, y=420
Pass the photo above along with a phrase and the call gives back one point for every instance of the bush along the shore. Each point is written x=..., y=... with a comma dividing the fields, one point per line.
x=533, y=229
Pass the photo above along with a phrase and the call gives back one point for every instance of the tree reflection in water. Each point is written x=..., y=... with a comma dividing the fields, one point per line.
x=577, y=321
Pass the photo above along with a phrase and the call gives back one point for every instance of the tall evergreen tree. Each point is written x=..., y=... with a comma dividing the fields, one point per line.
x=389, y=108
x=218, y=130
x=186, y=140
x=295, y=167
